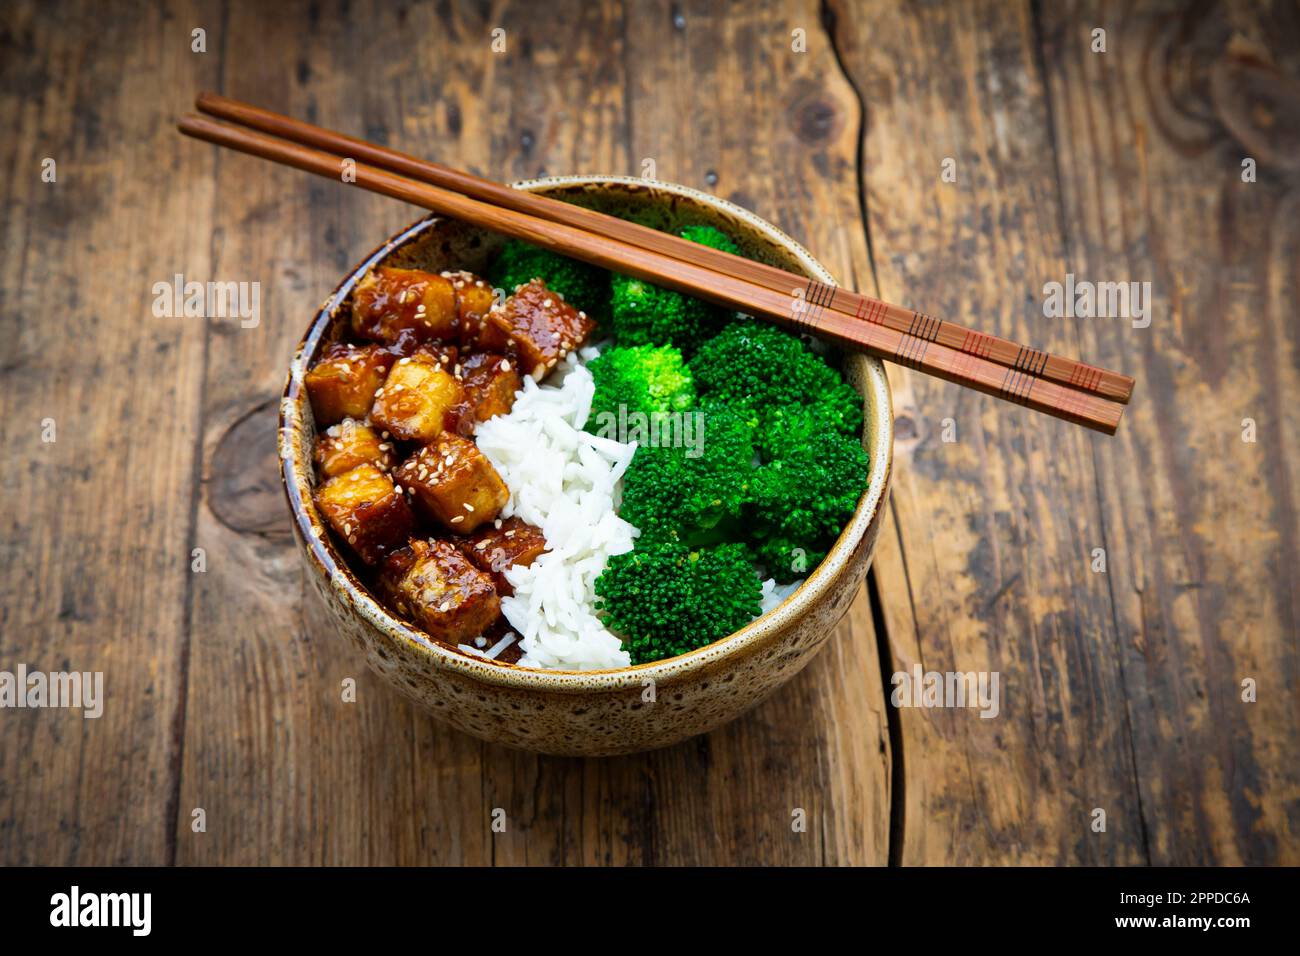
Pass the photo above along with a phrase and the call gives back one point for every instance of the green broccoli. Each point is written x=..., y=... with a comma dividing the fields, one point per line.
x=664, y=599
x=786, y=428
x=692, y=490
x=785, y=559
x=644, y=379
x=644, y=314
x=583, y=286
x=709, y=236
x=756, y=364
x=798, y=504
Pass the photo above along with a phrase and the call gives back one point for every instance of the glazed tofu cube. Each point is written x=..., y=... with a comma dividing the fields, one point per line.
x=389, y=303
x=538, y=327
x=501, y=545
x=490, y=382
x=433, y=585
x=350, y=443
x=414, y=401
x=367, y=511
x=494, y=332
x=343, y=383
x=453, y=483
x=435, y=353
x=474, y=299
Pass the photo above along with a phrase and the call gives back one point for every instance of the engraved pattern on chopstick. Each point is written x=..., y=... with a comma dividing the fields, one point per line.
x=977, y=344
x=870, y=310
x=911, y=350
x=924, y=326
x=1016, y=385
x=817, y=296
x=1030, y=360
x=1084, y=376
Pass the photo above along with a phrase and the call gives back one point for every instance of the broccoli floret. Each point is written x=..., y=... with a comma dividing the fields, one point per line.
x=708, y=236
x=690, y=490
x=664, y=599
x=644, y=314
x=644, y=379
x=787, y=560
x=583, y=286
x=784, y=429
x=800, y=503
x=756, y=364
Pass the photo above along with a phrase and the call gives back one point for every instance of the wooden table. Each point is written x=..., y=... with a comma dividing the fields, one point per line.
x=1122, y=689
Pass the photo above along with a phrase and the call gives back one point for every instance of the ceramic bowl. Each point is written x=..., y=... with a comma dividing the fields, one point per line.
x=589, y=712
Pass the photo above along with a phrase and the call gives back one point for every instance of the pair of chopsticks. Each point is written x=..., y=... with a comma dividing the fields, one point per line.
x=1058, y=386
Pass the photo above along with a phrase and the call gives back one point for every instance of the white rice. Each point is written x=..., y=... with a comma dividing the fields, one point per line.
x=774, y=594
x=566, y=482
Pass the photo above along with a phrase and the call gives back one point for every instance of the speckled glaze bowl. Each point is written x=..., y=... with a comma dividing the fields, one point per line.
x=587, y=713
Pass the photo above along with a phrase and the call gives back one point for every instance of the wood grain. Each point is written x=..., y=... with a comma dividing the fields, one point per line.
x=988, y=566
x=1201, y=527
x=1121, y=690
x=95, y=551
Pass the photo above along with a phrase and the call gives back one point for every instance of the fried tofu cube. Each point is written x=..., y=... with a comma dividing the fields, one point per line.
x=538, y=327
x=389, y=303
x=414, y=401
x=434, y=586
x=501, y=545
x=350, y=443
x=453, y=483
x=367, y=511
x=474, y=299
x=435, y=353
x=343, y=383
x=490, y=382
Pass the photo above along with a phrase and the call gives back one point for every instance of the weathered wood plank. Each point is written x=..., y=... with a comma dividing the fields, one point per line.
x=1201, y=527
x=987, y=565
x=94, y=526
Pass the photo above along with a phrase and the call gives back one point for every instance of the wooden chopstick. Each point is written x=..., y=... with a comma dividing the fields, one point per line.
x=732, y=291
x=1035, y=362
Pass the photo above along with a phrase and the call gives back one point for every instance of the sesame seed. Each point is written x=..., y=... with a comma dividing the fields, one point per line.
x=458, y=519
x=468, y=507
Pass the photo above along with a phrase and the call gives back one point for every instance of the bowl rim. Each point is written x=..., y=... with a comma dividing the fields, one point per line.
x=317, y=542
